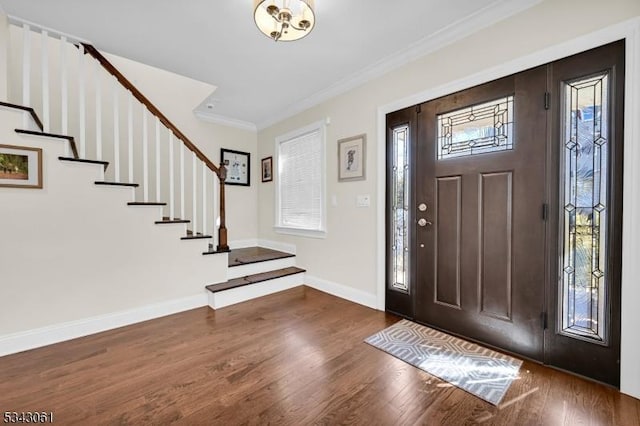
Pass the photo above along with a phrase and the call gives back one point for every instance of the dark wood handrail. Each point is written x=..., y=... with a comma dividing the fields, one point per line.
x=108, y=66
x=221, y=171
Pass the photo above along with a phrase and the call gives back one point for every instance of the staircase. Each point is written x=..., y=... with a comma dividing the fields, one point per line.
x=255, y=272
x=119, y=189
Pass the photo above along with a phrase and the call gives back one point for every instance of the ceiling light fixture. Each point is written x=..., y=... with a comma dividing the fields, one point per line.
x=284, y=20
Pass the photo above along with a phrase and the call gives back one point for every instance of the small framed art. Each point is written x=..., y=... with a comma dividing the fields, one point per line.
x=352, y=158
x=20, y=167
x=238, y=165
x=267, y=169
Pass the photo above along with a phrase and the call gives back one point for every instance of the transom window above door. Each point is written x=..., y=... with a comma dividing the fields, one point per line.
x=477, y=129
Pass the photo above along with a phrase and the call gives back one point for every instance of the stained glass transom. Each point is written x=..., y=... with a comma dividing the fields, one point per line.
x=586, y=180
x=478, y=129
x=400, y=209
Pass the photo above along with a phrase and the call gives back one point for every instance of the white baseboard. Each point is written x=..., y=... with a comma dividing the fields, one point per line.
x=242, y=294
x=277, y=245
x=342, y=291
x=237, y=244
x=31, y=339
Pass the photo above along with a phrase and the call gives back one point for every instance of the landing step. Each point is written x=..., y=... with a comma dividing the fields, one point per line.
x=139, y=203
x=72, y=141
x=255, y=278
x=132, y=185
x=82, y=160
x=248, y=255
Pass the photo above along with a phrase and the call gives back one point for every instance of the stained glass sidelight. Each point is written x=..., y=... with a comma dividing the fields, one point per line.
x=400, y=209
x=479, y=129
x=584, y=199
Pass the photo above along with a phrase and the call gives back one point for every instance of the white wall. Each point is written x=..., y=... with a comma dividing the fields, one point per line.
x=4, y=41
x=72, y=251
x=348, y=255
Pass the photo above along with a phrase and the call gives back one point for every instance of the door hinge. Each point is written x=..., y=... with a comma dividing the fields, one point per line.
x=418, y=109
x=543, y=320
x=545, y=212
x=547, y=100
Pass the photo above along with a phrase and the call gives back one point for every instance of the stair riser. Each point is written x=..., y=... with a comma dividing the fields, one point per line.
x=241, y=294
x=16, y=119
x=256, y=268
x=97, y=168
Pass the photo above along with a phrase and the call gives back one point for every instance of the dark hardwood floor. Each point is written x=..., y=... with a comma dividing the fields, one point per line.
x=295, y=357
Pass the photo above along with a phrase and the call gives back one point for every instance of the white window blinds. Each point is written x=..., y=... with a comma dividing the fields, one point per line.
x=300, y=182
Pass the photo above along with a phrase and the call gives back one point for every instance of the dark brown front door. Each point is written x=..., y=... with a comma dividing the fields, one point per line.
x=504, y=212
x=481, y=250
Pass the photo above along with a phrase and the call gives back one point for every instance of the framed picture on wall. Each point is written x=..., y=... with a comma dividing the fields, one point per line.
x=238, y=165
x=267, y=169
x=352, y=158
x=20, y=167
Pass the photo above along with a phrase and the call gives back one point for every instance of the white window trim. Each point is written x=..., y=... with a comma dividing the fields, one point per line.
x=288, y=230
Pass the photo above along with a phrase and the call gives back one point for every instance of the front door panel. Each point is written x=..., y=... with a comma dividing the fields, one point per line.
x=482, y=157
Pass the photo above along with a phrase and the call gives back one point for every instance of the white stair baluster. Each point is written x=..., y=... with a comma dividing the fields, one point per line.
x=130, y=131
x=157, y=160
x=145, y=155
x=194, y=193
x=26, y=71
x=172, y=210
x=182, y=216
x=82, y=101
x=116, y=129
x=64, y=92
x=46, y=115
x=98, y=111
x=204, y=198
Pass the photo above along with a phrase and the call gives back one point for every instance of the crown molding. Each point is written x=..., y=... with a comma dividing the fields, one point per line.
x=225, y=121
x=486, y=17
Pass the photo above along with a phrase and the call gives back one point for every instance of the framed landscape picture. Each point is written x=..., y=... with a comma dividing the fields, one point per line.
x=352, y=158
x=267, y=169
x=238, y=165
x=20, y=167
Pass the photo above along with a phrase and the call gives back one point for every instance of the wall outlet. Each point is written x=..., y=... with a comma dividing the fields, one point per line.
x=363, y=200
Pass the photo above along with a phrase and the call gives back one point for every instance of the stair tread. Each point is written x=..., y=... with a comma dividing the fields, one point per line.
x=197, y=236
x=164, y=221
x=84, y=160
x=71, y=139
x=27, y=109
x=248, y=255
x=255, y=278
x=133, y=185
x=46, y=134
x=140, y=203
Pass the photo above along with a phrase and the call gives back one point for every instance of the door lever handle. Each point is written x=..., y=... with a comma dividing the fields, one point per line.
x=424, y=222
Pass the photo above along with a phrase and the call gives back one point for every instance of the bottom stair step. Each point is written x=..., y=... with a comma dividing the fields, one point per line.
x=250, y=287
x=255, y=278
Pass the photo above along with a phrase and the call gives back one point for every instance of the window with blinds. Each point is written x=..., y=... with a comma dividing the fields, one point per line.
x=300, y=196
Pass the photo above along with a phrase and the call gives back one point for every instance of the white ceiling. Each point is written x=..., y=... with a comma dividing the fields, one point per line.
x=260, y=81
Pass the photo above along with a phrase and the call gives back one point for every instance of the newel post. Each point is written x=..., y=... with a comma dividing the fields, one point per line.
x=222, y=231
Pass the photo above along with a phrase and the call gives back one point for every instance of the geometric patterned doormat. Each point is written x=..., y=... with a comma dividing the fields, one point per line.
x=480, y=371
